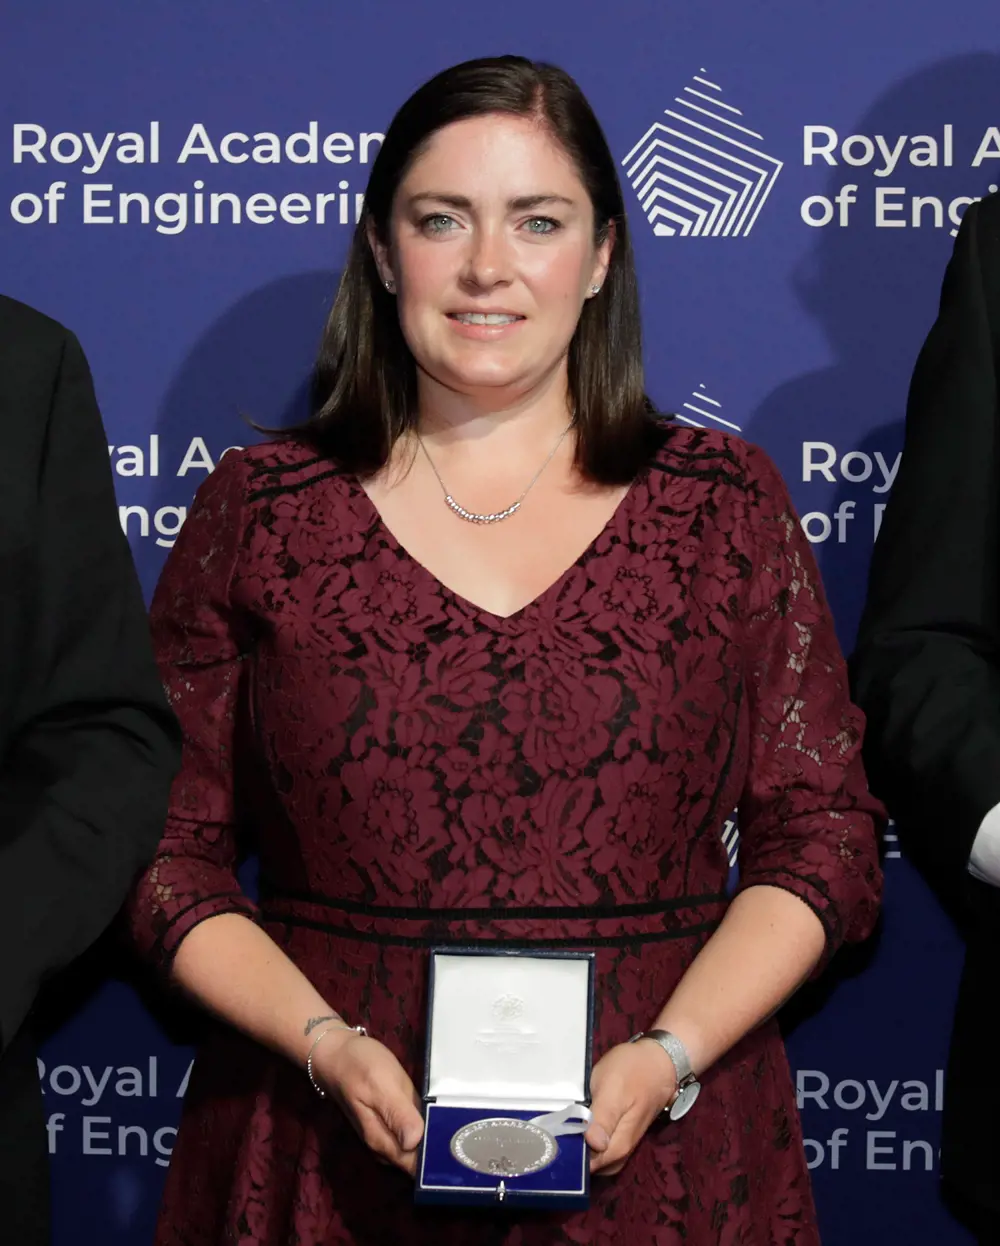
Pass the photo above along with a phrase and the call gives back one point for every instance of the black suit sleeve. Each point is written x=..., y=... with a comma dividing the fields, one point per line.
x=85, y=780
x=927, y=666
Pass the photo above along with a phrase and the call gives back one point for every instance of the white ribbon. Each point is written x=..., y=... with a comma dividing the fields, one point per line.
x=572, y=1119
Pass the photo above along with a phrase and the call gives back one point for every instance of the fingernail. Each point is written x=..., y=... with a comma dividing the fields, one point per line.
x=599, y=1138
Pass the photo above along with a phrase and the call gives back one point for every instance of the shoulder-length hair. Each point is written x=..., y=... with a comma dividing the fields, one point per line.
x=365, y=383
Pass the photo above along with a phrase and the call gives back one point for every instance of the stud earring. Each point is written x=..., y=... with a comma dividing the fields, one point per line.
x=390, y=285
x=595, y=289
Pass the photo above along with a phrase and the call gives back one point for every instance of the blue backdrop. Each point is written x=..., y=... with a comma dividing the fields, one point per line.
x=794, y=173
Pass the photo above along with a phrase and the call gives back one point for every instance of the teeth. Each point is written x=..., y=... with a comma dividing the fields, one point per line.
x=480, y=318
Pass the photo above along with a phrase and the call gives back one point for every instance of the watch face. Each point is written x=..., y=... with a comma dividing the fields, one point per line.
x=685, y=1100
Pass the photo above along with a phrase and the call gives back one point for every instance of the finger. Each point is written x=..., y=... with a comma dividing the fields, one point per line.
x=376, y=1136
x=597, y=1137
x=408, y=1163
x=612, y=1161
x=394, y=1108
x=402, y=1119
x=607, y=1111
x=412, y=1130
x=401, y=1109
x=623, y=1142
x=405, y=1161
x=612, y=1170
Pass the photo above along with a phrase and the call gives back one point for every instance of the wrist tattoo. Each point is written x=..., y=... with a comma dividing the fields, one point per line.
x=312, y=1023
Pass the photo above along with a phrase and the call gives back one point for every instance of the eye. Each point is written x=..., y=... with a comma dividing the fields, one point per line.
x=542, y=225
x=436, y=223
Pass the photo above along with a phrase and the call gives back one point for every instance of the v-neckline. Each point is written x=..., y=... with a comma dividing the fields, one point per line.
x=609, y=525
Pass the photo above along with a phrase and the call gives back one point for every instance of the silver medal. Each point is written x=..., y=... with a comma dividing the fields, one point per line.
x=504, y=1147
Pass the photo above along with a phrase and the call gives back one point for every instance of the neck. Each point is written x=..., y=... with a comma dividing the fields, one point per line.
x=510, y=422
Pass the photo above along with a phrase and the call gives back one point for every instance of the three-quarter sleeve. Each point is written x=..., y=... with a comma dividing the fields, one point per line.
x=201, y=655
x=807, y=819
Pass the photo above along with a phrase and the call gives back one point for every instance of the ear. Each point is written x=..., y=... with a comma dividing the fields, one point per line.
x=602, y=258
x=380, y=253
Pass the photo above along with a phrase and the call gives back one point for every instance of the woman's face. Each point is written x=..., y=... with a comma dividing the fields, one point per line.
x=492, y=254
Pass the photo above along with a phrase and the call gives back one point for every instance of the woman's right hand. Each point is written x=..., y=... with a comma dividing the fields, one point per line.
x=375, y=1093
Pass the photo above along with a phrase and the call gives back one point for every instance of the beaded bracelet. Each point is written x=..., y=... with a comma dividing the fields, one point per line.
x=355, y=1029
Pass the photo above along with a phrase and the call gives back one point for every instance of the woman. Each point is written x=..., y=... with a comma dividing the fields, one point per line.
x=486, y=652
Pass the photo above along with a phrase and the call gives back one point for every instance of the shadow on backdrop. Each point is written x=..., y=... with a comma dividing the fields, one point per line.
x=253, y=364
x=874, y=292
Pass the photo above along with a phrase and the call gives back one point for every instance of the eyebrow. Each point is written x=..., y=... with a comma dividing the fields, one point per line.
x=520, y=204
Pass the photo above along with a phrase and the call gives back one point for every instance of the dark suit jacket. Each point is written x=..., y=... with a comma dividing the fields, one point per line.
x=927, y=666
x=88, y=746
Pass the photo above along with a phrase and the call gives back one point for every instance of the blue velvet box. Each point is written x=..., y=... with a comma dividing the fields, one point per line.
x=509, y=1034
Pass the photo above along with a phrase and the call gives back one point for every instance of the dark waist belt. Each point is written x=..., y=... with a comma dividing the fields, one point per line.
x=569, y=926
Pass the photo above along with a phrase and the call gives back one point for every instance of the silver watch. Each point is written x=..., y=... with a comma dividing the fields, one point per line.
x=688, y=1086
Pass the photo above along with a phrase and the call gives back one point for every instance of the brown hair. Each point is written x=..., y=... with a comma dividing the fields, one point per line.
x=365, y=379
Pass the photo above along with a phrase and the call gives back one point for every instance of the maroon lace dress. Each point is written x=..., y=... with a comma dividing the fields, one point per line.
x=413, y=770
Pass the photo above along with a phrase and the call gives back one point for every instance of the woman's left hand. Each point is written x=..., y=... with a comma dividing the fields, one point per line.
x=630, y=1085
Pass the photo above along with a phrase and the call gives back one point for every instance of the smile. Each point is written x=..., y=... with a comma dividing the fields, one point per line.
x=484, y=317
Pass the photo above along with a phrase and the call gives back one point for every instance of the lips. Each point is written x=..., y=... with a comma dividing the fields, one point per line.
x=485, y=318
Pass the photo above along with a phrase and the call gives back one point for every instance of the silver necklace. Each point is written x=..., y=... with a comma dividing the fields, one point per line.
x=473, y=516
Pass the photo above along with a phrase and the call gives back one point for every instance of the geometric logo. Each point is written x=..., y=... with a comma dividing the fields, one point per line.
x=701, y=173
x=731, y=839
x=704, y=408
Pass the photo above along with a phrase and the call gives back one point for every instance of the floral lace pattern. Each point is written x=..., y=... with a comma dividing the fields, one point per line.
x=413, y=769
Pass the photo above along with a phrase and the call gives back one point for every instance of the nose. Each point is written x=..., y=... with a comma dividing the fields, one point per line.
x=489, y=259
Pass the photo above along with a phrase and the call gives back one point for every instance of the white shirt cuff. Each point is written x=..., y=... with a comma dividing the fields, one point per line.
x=984, y=859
